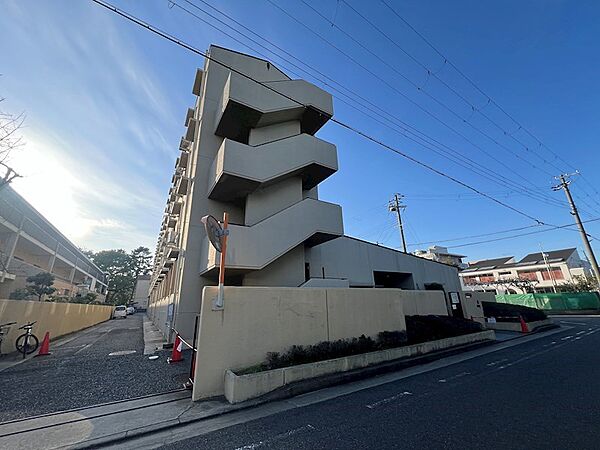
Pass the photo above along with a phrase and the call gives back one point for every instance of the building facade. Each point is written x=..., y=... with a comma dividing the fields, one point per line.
x=536, y=272
x=30, y=244
x=441, y=254
x=250, y=149
x=141, y=293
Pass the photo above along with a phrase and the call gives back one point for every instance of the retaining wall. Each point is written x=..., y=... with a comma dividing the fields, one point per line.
x=57, y=318
x=258, y=320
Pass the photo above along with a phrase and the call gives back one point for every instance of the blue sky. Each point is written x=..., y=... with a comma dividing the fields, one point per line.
x=105, y=104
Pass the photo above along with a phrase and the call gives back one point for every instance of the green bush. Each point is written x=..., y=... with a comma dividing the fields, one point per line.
x=506, y=312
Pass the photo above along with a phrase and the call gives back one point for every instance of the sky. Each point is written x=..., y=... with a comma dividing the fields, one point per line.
x=105, y=102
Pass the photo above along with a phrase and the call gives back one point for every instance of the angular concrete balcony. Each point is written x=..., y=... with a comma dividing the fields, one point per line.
x=240, y=169
x=308, y=222
x=246, y=104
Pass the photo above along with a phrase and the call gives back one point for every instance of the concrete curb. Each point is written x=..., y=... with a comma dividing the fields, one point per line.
x=198, y=412
x=239, y=388
x=289, y=391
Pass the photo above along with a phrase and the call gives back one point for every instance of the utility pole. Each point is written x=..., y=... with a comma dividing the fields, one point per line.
x=564, y=185
x=396, y=206
x=550, y=274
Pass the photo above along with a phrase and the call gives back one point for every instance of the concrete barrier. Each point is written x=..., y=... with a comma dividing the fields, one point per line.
x=259, y=320
x=57, y=318
x=239, y=388
x=516, y=326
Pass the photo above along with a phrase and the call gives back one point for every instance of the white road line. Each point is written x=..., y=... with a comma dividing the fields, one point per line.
x=454, y=377
x=493, y=363
x=388, y=400
x=580, y=332
x=565, y=338
x=277, y=437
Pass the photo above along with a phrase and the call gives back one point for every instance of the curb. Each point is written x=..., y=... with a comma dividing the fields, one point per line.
x=286, y=392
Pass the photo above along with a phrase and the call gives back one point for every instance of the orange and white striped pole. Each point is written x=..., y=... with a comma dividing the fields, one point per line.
x=219, y=303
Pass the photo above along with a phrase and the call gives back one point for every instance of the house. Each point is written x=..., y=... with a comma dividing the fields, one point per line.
x=536, y=272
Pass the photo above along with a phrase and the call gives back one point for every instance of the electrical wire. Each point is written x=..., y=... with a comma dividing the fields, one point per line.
x=348, y=127
x=464, y=162
x=489, y=99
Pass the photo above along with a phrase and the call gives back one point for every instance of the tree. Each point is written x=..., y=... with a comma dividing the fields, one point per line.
x=10, y=139
x=118, y=266
x=141, y=261
x=579, y=283
x=41, y=284
x=20, y=294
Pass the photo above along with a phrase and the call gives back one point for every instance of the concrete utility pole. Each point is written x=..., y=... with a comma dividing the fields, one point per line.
x=564, y=185
x=550, y=274
x=396, y=206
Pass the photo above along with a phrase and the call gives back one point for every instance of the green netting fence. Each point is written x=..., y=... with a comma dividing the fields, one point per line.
x=567, y=301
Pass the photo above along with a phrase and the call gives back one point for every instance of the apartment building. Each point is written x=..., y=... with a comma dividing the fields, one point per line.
x=250, y=149
x=536, y=272
x=30, y=244
x=441, y=254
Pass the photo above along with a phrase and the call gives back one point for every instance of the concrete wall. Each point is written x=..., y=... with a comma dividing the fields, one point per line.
x=57, y=318
x=356, y=261
x=259, y=320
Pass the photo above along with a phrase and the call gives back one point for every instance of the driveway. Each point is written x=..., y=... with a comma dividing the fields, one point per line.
x=101, y=364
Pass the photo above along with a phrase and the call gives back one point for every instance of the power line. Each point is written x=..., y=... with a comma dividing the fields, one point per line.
x=191, y=48
x=430, y=72
x=469, y=164
x=554, y=228
x=394, y=88
x=489, y=99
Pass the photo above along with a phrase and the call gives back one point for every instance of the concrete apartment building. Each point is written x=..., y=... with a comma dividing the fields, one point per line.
x=30, y=244
x=141, y=292
x=250, y=149
x=441, y=254
x=539, y=272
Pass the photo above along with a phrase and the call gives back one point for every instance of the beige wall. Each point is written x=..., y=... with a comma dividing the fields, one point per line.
x=57, y=318
x=258, y=320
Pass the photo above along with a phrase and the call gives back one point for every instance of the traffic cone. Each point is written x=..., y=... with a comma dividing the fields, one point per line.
x=524, y=327
x=45, y=347
x=176, y=355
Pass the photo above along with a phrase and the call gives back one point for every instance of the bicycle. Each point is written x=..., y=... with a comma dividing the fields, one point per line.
x=24, y=342
x=4, y=329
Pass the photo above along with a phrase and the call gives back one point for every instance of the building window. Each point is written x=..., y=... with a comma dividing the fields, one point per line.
x=528, y=275
x=470, y=280
x=556, y=274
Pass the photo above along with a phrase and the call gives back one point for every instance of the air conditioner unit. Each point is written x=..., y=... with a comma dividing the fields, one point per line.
x=185, y=145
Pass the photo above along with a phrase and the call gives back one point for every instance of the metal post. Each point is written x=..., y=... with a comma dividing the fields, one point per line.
x=564, y=185
x=219, y=303
x=396, y=206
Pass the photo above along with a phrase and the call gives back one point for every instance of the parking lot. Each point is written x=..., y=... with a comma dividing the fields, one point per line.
x=101, y=364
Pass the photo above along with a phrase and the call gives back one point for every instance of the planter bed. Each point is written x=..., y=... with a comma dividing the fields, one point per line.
x=239, y=388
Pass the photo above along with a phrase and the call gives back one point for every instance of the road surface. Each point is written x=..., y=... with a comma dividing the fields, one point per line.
x=541, y=394
x=82, y=372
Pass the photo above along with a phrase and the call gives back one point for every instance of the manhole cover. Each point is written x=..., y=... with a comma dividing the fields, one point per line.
x=121, y=353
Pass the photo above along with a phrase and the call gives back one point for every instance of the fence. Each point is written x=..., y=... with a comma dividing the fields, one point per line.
x=568, y=301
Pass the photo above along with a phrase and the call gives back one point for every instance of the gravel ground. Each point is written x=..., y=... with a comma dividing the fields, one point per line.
x=81, y=372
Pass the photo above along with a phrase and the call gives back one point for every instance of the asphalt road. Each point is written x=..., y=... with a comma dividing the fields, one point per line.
x=82, y=373
x=541, y=394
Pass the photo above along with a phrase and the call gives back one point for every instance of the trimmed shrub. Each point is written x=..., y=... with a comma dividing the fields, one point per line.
x=430, y=328
x=505, y=312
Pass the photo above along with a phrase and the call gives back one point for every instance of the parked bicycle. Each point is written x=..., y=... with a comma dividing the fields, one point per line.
x=4, y=329
x=28, y=342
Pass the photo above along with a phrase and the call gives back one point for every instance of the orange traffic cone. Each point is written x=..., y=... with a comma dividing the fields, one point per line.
x=524, y=327
x=45, y=347
x=176, y=355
